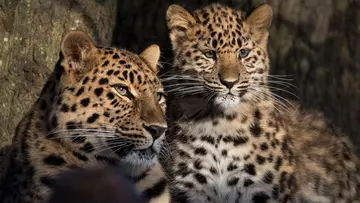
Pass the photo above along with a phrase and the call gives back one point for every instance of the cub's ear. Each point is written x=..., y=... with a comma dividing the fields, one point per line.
x=259, y=22
x=179, y=21
x=152, y=55
x=77, y=49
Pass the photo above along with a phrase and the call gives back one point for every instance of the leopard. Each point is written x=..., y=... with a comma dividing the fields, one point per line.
x=230, y=138
x=100, y=107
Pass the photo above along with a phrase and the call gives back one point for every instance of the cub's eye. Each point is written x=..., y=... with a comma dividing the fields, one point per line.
x=243, y=53
x=123, y=91
x=210, y=54
x=159, y=96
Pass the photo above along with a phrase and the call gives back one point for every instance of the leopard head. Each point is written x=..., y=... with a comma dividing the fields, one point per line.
x=110, y=102
x=219, y=54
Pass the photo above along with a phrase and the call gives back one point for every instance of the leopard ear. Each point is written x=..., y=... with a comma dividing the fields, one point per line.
x=259, y=22
x=76, y=48
x=152, y=55
x=179, y=21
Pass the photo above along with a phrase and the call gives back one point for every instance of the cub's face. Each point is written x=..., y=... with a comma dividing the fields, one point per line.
x=219, y=54
x=111, y=102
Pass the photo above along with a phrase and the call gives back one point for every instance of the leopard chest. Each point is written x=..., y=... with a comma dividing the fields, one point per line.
x=230, y=164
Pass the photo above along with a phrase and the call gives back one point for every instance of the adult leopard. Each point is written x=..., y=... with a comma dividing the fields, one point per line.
x=99, y=107
x=230, y=141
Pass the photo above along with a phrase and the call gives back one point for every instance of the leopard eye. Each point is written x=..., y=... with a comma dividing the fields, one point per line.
x=123, y=91
x=244, y=53
x=210, y=54
x=159, y=96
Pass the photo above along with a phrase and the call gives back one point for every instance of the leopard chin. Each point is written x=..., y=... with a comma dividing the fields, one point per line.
x=145, y=157
x=227, y=101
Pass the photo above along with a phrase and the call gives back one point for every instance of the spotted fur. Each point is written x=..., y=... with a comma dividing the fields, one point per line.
x=230, y=140
x=100, y=107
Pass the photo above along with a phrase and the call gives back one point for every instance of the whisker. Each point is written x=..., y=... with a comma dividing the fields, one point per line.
x=75, y=137
x=287, y=84
x=271, y=97
x=180, y=78
x=180, y=89
x=80, y=133
x=280, y=100
x=183, y=93
x=286, y=100
x=85, y=130
x=110, y=146
x=278, y=105
x=100, y=146
x=59, y=128
x=119, y=148
x=280, y=89
x=180, y=84
x=280, y=76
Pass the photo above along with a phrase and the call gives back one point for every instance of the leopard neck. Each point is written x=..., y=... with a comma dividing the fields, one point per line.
x=193, y=108
x=47, y=101
x=37, y=123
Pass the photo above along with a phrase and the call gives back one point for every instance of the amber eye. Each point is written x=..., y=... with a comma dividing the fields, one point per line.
x=123, y=91
x=210, y=54
x=243, y=53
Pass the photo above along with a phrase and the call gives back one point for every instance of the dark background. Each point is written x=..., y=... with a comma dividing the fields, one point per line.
x=315, y=42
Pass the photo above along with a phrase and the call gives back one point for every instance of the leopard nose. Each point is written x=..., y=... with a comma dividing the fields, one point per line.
x=155, y=130
x=227, y=82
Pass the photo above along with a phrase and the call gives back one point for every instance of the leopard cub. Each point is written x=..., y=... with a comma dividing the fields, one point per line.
x=230, y=141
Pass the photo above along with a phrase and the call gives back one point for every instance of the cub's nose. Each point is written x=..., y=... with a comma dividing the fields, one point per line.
x=227, y=82
x=155, y=130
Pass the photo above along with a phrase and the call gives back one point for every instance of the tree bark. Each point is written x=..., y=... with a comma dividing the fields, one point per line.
x=317, y=42
x=30, y=35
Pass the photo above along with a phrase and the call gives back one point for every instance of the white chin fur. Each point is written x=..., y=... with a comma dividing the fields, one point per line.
x=227, y=101
x=136, y=160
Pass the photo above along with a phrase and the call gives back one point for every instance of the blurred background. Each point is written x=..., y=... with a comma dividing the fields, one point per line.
x=316, y=43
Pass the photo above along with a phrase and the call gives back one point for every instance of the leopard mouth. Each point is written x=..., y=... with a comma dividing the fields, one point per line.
x=137, y=157
x=122, y=150
x=228, y=96
x=227, y=101
x=118, y=147
x=230, y=93
x=148, y=153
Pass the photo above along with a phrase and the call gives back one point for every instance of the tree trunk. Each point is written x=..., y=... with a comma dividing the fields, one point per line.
x=30, y=34
x=317, y=42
